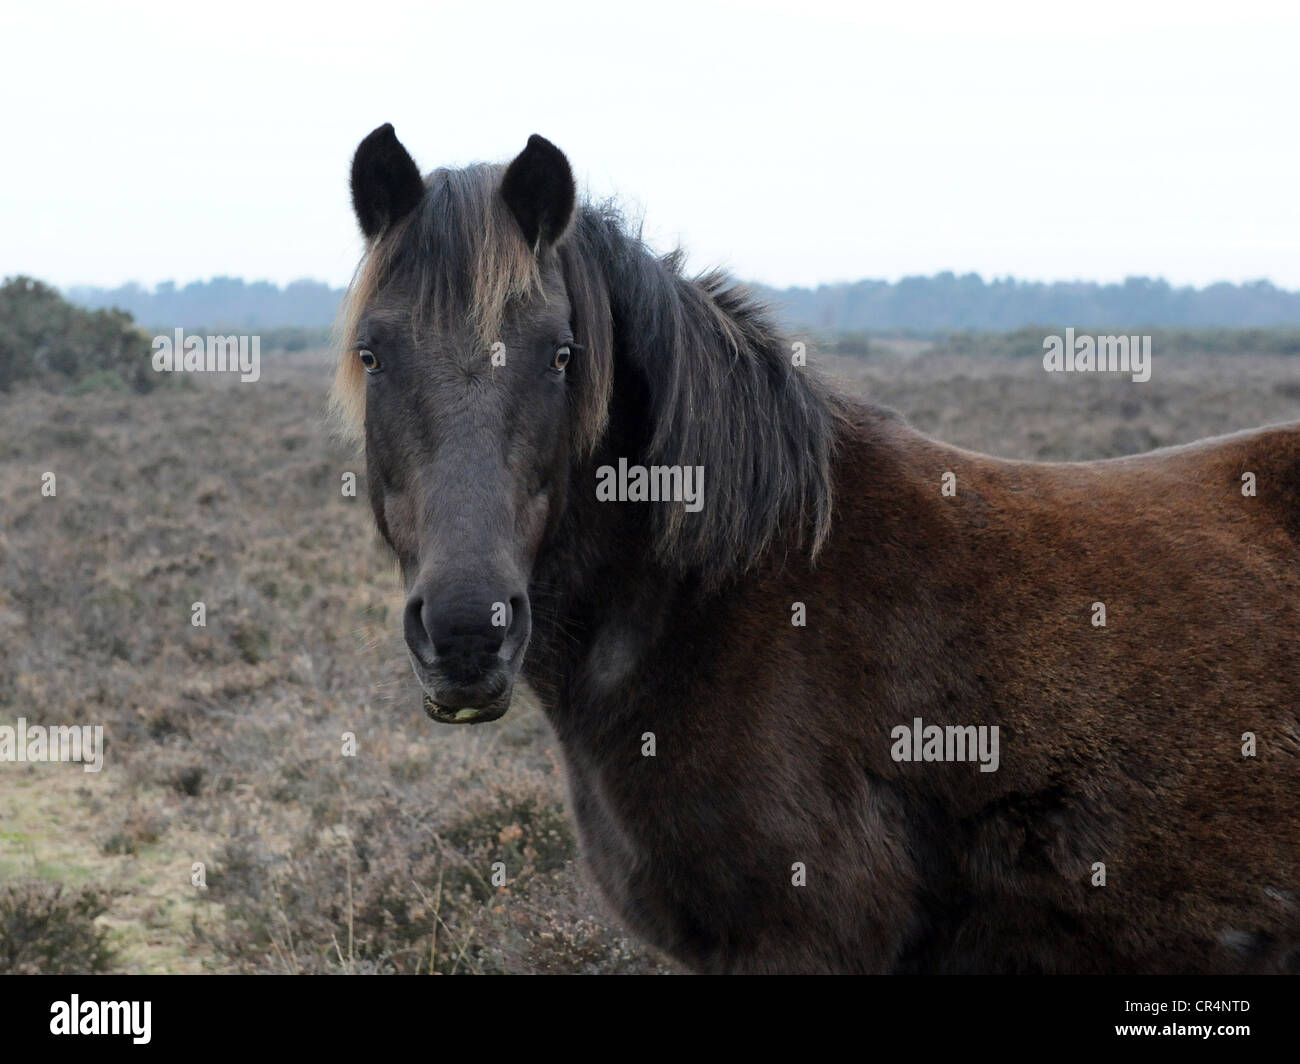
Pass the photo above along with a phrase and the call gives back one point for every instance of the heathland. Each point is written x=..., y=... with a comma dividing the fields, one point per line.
x=230, y=829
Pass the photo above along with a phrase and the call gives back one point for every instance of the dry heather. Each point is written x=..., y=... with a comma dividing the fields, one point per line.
x=224, y=742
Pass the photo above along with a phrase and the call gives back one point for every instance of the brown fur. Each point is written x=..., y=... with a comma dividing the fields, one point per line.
x=1119, y=744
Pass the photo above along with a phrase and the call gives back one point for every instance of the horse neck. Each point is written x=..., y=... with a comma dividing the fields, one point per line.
x=701, y=377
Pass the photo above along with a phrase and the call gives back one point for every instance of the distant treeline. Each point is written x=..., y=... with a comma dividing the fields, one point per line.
x=223, y=302
x=943, y=303
x=49, y=341
x=947, y=302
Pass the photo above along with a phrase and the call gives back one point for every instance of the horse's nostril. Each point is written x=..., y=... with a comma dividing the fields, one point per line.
x=417, y=636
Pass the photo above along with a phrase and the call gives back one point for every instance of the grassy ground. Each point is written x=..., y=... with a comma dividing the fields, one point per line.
x=225, y=742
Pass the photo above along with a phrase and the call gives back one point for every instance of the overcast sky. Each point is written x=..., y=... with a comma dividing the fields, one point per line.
x=795, y=143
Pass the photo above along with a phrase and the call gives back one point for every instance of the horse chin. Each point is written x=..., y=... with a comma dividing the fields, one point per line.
x=494, y=710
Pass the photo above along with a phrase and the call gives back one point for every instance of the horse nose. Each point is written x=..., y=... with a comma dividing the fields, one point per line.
x=464, y=635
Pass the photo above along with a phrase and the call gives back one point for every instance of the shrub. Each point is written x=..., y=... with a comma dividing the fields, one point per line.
x=45, y=930
x=45, y=338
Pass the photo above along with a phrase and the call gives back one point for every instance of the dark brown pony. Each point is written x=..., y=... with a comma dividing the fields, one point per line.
x=777, y=706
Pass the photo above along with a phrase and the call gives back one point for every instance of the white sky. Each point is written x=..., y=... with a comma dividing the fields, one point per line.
x=795, y=143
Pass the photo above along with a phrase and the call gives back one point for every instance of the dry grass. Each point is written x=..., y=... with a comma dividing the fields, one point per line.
x=224, y=742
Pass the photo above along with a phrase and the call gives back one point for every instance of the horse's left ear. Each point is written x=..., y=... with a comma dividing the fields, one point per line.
x=539, y=190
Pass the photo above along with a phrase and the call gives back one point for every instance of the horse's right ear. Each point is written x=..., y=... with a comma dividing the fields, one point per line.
x=386, y=183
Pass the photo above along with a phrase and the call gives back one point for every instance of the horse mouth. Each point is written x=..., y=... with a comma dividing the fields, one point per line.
x=466, y=714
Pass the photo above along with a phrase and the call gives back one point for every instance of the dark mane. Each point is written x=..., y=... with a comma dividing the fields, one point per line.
x=719, y=390
x=701, y=362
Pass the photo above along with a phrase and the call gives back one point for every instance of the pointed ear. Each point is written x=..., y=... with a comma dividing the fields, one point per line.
x=539, y=190
x=386, y=183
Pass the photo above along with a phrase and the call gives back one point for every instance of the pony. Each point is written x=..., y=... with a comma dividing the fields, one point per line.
x=874, y=703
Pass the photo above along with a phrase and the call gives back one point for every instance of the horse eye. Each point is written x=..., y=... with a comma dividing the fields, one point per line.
x=368, y=360
x=561, y=357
